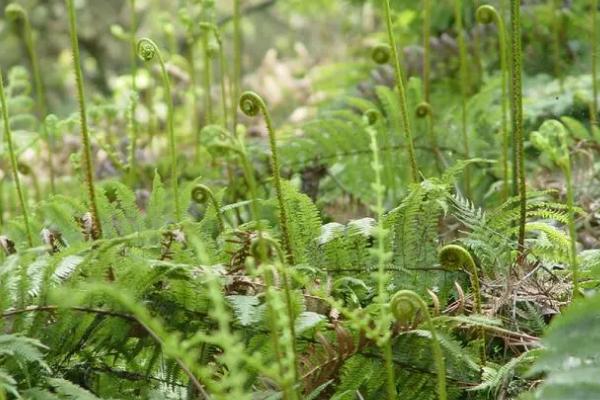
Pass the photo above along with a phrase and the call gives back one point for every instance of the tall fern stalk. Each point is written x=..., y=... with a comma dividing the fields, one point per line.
x=486, y=15
x=17, y=13
x=147, y=50
x=237, y=58
x=594, y=42
x=425, y=109
x=252, y=104
x=382, y=257
x=517, y=115
x=404, y=118
x=464, y=87
x=13, y=161
x=134, y=128
x=85, y=136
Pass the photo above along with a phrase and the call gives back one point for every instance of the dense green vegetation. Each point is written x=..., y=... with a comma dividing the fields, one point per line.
x=286, y=199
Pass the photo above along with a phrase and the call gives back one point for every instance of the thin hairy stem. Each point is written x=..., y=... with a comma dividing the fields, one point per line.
x=371, y=118
x=517, y=116
x=13, y=161
x=252, y=104
x=17, y=13
x=404, y=118
x=594, y=43
x=464, y=87
x=133, y=124
x=237, y=59
x=485, y=15
x=147, y=50
x=85, y=136
x=572, y=232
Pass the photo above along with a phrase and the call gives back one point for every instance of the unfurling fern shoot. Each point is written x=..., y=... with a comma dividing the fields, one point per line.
x=252, y=104
x=486, y=15
x=464, y=87
x=456, y=258
x=13, y=161
x=147, y=51
x=201, y=194
x=404, y=304
x=404, y=116
x=85, y=136
x=517, y=116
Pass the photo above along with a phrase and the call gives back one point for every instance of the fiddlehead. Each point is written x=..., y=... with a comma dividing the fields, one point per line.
x=13, y=161
x=456, y=258
x=381, y=54
x=423, y=110
x=404, y=305
x=85, y=136
x=517, y=116
x=201, y=194
x=487, y=14
x=148, y=50
x=401, y=95
x=251, y=105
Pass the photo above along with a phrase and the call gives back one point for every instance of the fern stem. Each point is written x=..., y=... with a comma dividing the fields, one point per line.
x=85, y=136
x=556, y=33
x=147, y=50
x=517, y=117
x=454, y=257
x=572, y=232
x=464, y=87
x=251, y=104
x=16, y=12
x=237, y=59
x=594, y=43
x=13, y=161
x=427, y=85
x=407, y=300
x=485, y=15
x=401, y=94
x=207, y=78
x=133, y=124
x=371, y=118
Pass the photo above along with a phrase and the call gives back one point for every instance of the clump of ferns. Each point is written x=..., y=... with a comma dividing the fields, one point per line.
x=552, y=140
